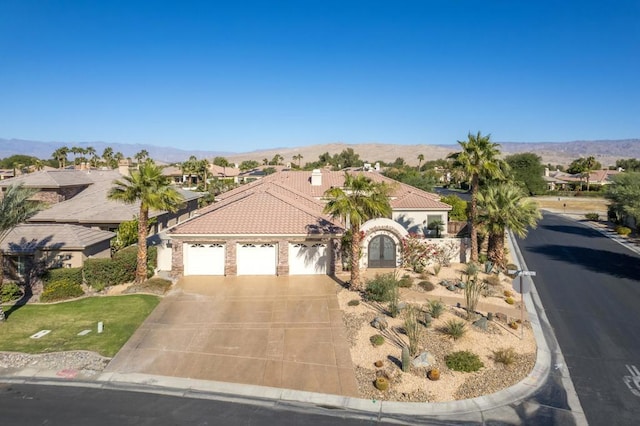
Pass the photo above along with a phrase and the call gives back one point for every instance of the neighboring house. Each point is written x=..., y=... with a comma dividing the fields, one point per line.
x=35, y=247
x=6, y=174
x=276, y=226
x=93, y=208
x=231, y=172
x=175, y=173
x=557, y=180
x=53, y=186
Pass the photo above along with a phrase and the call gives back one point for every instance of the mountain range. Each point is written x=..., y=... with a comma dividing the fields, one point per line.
x=605, y=151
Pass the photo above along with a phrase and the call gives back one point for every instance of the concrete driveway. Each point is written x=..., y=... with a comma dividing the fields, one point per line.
x=284, y=332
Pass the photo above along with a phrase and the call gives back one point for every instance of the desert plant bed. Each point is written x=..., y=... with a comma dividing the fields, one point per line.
x=414, y=386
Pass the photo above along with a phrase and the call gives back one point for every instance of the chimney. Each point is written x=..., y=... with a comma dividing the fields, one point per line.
x=546, y=171
x=316, y=177
x=123, y=168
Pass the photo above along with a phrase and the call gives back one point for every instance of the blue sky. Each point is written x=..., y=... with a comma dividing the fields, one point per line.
x=246, y=75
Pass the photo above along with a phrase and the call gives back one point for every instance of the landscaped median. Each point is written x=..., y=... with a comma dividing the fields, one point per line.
x=68, y=321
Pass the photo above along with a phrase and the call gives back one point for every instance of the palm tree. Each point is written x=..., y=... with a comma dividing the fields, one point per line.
x=478, y=159
x=505, y=207
x=203, y=169
x=224, y=163
x=60, y=154
x=149, y=187
x=107, y=156
x=588, y=165
x=139, y=156
x=420, y=160
x=298, y=157
x=15, y=208
x=265, y=161
x=360, y=200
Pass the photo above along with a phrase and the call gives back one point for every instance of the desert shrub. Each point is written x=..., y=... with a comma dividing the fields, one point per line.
x=511, y=267
x=437, y=268
x=454, y=329
x=506, y=356
x=623, y=230
x=61, y=290
x=354, y=302
x=592, y=216
x=507, y=293
x=510, y=300
x=493, y=280
x=418, y=268
x=513, y=325
x=58, y=274
x=463, y=361
x=9, y=291
x=426, y=285
x=472, y=292
x=379, y=288
x=412, y=329
x=435, y=308
x=405, y=282
x=377, y=339
x=471, y=270
x=394, y=301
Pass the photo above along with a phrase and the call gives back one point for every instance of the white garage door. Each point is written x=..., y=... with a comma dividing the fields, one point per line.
x=203, y=259
x=308, y=259
x=257, y=259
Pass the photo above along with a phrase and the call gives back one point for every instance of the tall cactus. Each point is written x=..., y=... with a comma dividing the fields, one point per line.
x=406, y=359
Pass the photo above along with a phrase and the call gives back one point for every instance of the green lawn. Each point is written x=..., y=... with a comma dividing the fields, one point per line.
x=121, y=316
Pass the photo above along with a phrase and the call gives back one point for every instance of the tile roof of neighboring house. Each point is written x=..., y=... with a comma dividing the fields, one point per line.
x=25, y=238
x=172, y=171
x=47, y=179
x=602, y=176
x=218, y=171
x=286, y=203
x=92, y=205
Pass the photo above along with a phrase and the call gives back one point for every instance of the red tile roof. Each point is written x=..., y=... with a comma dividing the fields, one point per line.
x=286, y=203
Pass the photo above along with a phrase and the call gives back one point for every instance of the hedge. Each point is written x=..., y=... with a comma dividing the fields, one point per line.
x=61, y=290
x=120, y=269
x=72, y=274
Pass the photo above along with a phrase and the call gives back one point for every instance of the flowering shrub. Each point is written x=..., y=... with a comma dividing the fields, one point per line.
x=418, y=253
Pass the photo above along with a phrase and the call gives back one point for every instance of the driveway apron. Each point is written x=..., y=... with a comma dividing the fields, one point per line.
x=284, y=332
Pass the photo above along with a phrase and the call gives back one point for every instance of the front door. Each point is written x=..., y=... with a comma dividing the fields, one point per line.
x=382, y=252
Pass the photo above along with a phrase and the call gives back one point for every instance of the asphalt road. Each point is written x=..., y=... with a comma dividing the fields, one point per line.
x=27, y=405
x=590, y=288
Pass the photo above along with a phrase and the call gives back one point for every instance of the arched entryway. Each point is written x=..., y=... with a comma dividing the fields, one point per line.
x=382, y=252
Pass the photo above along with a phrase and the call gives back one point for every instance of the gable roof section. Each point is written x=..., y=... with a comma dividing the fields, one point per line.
x=26, y=238
x=259, y=209
x=51, y=179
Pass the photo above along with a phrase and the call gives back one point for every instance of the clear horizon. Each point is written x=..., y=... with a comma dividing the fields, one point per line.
x=256, y=75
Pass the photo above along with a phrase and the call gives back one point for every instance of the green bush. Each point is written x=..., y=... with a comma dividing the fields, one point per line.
x=510, y=300
x=426, y=285
x=120, y=269
x=454, y=329
x=9, y=291
x=463, y=361
x=354, y=302
x=435, y=308
x=623, y=230
x=72, y=274
x=380, y=288
x=377, y=340
x=61, y=290
x=592, y=216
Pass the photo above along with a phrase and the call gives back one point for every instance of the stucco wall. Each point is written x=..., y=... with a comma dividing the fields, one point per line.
x=416, y=221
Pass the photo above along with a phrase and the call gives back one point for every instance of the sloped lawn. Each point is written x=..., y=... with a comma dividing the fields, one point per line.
x=121, y=316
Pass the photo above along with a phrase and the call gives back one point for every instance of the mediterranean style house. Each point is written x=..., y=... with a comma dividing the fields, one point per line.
x=276, y=226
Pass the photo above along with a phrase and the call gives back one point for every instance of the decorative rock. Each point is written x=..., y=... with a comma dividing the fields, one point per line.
x=402, y=306
x=423, y=360
x=481, y=323
x=379, y=323
x=451, y=288
x=501, y=317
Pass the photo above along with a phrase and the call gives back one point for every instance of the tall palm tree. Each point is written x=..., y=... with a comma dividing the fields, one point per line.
x=504, y=206
x=478, y=159
x=420, y=160
x=149, y=187
x=203, y=170
x=140, y=156
x=15, y=208
x=588, y=166
x=359, y=200
x=60, y=155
